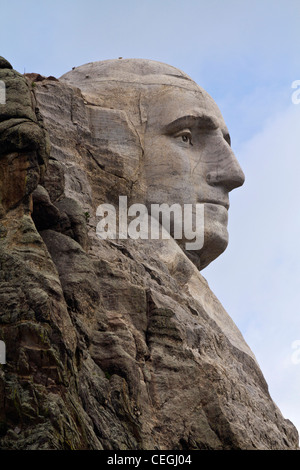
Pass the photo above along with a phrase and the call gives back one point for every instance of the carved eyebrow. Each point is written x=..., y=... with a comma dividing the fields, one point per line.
x=204, y=121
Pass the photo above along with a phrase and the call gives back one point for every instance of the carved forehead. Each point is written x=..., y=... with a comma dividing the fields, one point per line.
x=124, y=81
x=173, y=103
x=135, y=71
x=138, y=86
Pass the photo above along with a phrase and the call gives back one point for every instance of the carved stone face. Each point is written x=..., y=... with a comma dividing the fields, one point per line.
x=188, y=160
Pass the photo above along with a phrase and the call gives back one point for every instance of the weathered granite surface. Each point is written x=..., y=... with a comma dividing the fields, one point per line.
x=111, y=344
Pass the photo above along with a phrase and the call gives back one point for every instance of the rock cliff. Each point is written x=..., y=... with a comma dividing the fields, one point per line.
x=110, y=344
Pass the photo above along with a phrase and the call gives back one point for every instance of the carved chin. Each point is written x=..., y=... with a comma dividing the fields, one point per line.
x=215, y=236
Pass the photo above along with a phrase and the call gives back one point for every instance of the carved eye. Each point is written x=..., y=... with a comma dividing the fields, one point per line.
x=185, y=136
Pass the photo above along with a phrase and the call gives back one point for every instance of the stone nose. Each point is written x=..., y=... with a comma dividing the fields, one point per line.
x=227, y=172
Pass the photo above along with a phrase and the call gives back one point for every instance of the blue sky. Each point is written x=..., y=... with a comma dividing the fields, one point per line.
x=246, y=54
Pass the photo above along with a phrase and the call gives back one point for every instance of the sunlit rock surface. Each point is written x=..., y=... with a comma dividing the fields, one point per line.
x=111, y=344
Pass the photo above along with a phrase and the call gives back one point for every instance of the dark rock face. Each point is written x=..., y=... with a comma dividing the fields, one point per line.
x=109, y=346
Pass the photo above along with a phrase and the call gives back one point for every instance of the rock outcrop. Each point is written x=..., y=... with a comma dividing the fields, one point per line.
x=111, y=344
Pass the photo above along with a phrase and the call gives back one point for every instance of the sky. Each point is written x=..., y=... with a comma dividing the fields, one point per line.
x=246, y=54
